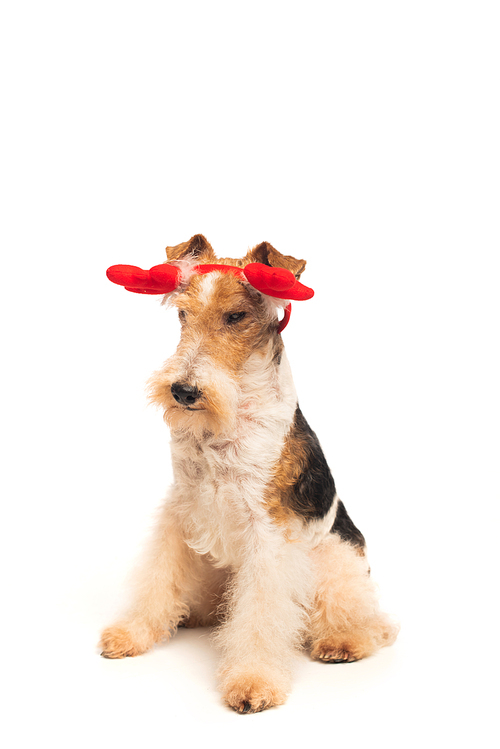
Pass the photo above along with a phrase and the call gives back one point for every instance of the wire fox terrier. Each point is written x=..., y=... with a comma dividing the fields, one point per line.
x=252, y=538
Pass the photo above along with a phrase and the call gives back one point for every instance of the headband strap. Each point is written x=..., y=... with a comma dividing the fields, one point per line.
x=165, y=278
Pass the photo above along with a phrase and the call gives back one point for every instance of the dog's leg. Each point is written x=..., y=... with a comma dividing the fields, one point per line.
x=267, y=611
x=346, y=622
x=161, y=594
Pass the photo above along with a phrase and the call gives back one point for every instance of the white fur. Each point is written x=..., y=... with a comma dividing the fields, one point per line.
x=312, y=532
x=207, y=287
x=221, y=481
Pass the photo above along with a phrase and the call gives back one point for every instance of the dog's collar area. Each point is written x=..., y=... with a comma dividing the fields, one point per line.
x=279, y=283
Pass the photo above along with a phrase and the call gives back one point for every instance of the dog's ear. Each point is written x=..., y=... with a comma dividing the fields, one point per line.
x=266, y=254
x=196, y=247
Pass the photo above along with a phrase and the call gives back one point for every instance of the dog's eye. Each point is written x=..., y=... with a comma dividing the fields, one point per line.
x=235, y=317
x=182, y=315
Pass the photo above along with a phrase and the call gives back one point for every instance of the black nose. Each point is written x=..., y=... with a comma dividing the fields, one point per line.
x=185, y=394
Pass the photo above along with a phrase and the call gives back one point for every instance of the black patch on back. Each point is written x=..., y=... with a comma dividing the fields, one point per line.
x=346, y=529
x=313, y=492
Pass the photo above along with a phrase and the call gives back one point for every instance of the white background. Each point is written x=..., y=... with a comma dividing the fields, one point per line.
x=361, y=136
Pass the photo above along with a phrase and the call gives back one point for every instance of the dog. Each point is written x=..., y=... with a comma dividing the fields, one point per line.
x=252, y=539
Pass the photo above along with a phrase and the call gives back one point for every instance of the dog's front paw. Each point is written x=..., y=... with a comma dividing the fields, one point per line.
x=119, y=642
x=252, y=694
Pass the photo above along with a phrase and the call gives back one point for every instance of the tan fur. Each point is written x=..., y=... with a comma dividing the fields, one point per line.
x=221, y=553
x=197, y=247
x=172, y=582
x=346, y=622
x=249, y=692
x=265, y=253
x=287, y=470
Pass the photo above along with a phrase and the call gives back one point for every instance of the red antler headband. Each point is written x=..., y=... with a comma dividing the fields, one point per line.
x=165, y=278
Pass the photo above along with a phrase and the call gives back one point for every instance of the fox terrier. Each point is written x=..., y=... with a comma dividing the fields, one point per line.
x=252, y=538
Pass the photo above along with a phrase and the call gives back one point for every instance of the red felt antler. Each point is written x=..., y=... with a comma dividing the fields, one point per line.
x=277, y=282
x=160, y=279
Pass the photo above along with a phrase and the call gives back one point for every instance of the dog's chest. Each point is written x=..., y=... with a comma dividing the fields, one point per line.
x=222, y=487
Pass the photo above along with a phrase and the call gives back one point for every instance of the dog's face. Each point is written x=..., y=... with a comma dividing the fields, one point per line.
x=228, y=329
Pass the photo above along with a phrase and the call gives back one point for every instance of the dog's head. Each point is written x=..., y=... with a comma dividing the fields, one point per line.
x=230, y=342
